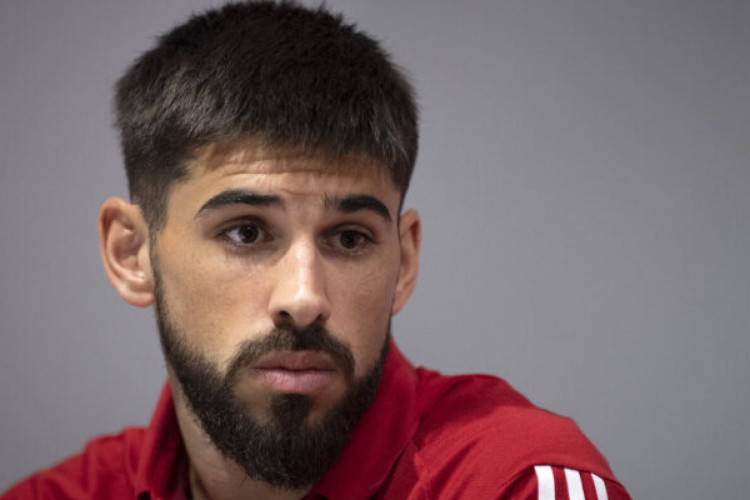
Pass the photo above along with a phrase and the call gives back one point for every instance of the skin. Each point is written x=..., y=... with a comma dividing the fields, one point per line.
x=230, y=272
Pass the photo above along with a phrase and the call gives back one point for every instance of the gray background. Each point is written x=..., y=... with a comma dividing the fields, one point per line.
x=583, y=183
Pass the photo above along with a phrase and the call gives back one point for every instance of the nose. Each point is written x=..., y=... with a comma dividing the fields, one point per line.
x=299, y=293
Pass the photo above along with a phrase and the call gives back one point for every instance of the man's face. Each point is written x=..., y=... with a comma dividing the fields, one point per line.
x=277, y=276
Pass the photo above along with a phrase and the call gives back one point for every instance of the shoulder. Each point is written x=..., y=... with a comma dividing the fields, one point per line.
x=551, y=482
x=479, y=438
x=460, y=410
x=105, y=468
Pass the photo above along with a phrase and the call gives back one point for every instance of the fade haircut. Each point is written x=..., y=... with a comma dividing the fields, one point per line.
x=278, y=72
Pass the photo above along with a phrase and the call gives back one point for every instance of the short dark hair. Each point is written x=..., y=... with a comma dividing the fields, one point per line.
x=286, y=74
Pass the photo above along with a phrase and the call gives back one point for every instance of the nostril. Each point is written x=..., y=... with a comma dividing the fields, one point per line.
x=283, y=317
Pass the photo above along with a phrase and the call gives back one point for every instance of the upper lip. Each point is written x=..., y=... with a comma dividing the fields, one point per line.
x=296, y=361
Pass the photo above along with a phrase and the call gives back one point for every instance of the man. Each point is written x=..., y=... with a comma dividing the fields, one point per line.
x=268, y=150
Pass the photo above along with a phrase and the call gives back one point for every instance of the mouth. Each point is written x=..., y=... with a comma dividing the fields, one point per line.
x=297, y=372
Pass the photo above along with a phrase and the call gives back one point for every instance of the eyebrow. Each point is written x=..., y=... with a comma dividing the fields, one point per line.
x=346, y=204
x=240, y=197
x=357, y=202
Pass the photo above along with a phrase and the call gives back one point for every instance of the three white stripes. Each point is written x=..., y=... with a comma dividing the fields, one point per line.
x=546, y=484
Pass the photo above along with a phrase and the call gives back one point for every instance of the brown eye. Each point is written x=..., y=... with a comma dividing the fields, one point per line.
x=350, y=240
x=246, y=233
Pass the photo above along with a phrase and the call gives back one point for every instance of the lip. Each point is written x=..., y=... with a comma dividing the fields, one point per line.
x=304, y=372
x=296, y=361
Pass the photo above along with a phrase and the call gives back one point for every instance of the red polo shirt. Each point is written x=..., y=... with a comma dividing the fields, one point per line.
x=426, y=436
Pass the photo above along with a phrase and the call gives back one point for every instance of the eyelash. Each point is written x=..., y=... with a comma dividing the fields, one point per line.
x=365, y=240
x=258, y=228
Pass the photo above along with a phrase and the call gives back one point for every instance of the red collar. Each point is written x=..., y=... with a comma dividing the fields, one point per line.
x=380, y=438
x=364, y=465
x=162, y=460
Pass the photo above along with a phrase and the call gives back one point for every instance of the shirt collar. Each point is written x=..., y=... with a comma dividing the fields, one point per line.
x=162, y=464
x=365, y=462
x=380, y=437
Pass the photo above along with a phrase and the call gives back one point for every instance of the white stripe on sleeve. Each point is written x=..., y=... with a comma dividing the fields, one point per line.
x=546, y=482
x=575, y=488
x=601, y=489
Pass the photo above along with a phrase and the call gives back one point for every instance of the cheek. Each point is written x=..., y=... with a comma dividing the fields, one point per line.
x=213, y=304
x=362, y=313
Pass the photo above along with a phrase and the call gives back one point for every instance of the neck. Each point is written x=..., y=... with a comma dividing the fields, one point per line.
x=212, y=475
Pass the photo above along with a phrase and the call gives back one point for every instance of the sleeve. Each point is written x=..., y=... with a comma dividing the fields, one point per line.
x=60, y=481
x=548, y=482
x=97, y=472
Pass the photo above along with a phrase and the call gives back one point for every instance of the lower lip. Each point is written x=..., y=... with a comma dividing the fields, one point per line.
x=295, y=381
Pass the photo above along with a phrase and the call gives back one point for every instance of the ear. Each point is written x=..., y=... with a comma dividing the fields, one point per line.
x=124, y=245
x=411, y=237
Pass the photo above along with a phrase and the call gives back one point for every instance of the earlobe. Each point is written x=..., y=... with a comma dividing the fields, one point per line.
x=411, y=237
x=124, y=246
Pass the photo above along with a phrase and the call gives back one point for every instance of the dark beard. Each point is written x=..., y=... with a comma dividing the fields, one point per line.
x=285, y=451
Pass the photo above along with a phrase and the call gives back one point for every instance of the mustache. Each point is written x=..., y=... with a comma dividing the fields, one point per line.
x=287, y=337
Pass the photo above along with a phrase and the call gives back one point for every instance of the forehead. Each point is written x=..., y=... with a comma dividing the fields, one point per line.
x=252, y=158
